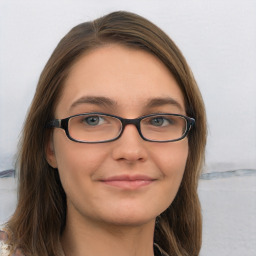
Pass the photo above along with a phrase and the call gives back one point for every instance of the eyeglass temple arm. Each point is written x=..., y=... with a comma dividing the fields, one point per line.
x=54, y=123
x=192, y=122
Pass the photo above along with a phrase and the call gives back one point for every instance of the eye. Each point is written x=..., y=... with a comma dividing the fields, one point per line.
x=94, y=120
x=160, y=121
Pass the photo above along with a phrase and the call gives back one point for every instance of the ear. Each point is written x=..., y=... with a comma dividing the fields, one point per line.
x=50, y=153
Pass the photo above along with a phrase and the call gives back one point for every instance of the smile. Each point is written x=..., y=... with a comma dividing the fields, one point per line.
x=128, y=182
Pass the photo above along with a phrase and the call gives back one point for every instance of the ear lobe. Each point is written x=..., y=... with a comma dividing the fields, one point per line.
x=50, y=153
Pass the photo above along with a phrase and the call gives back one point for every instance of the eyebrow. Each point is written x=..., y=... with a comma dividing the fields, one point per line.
x=157, y=102
x=104, y=101
x=99, y=100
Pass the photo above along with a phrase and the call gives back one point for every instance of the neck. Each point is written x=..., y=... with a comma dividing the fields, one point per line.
x=87, y=238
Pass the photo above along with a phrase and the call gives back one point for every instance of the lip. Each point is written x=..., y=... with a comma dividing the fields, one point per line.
x=128, y=181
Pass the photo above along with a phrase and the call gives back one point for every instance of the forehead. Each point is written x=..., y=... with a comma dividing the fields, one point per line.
x=129, y=77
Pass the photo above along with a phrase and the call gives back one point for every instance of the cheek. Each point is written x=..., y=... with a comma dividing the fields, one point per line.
x=76, y=162
x=173, y=157
x=171, y=162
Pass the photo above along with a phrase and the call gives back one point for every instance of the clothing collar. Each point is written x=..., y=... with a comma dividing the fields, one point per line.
x=158, y=251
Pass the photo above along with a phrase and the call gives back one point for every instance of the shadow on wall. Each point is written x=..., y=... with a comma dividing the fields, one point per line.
x=7, y=173
x=204, y=176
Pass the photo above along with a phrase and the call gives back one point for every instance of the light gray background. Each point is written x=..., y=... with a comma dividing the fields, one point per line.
x=218, y=38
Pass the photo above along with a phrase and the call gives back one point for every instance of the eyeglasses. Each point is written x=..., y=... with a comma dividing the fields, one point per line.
x=100, y=128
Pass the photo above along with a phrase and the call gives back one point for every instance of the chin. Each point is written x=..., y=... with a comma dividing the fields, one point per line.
x=131, y=220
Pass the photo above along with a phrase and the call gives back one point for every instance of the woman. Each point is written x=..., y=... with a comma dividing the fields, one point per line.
x=112, y=147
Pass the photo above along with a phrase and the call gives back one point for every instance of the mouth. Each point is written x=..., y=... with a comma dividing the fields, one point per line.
x=128, y=181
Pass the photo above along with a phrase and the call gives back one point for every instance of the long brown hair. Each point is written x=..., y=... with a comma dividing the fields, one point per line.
x=39, y=219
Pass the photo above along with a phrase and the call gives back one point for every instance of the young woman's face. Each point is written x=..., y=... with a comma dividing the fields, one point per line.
x=128, y=181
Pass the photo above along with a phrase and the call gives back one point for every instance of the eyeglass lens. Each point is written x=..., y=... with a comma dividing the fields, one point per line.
x=96, y=127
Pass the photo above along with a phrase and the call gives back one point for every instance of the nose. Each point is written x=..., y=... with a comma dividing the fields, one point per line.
x=130, y=147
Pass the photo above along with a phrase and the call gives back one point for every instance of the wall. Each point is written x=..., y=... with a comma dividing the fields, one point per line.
x=218, y=38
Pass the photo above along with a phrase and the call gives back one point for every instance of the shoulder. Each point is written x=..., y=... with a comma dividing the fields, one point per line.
x=4, y=248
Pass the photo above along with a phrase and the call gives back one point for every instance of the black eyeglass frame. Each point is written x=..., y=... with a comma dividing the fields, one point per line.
x=63, y=124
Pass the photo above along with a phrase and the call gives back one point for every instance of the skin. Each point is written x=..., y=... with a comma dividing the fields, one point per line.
x=120, y=219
